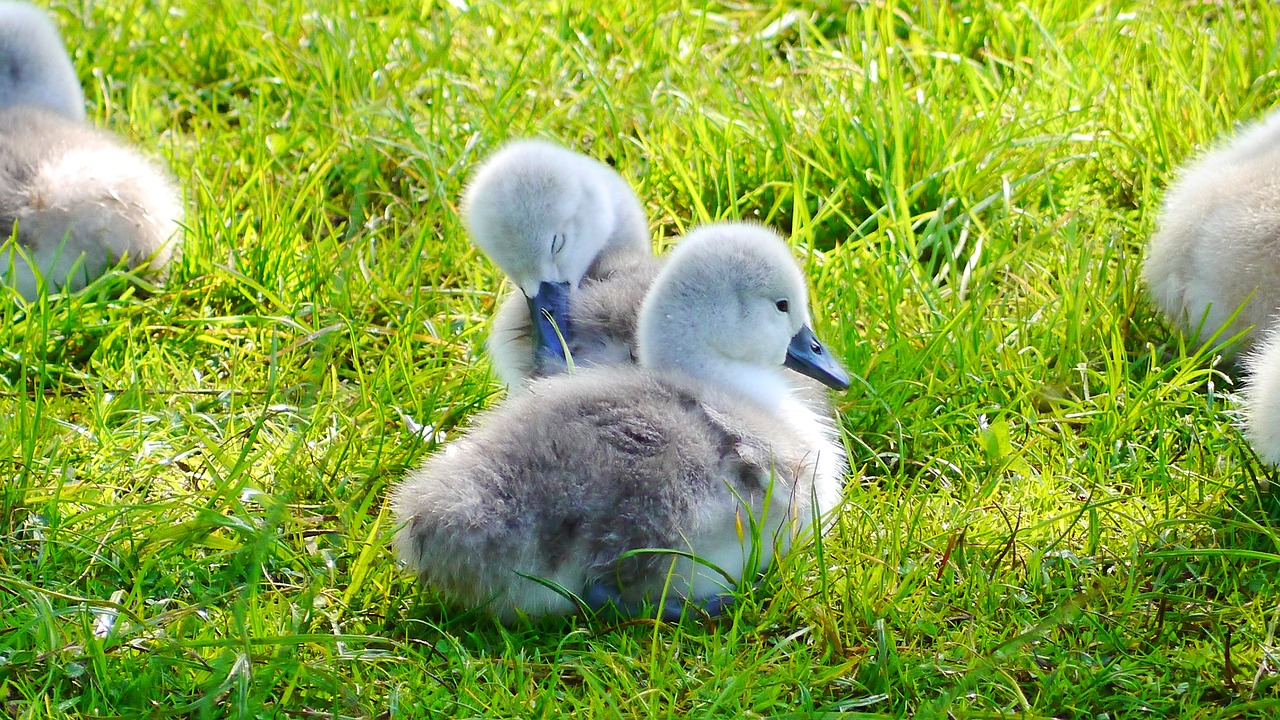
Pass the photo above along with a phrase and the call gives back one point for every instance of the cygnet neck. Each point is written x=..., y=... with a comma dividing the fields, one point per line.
x=672, y=339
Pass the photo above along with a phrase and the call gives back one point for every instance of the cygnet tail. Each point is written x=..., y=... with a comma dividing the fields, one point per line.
x=475, y=547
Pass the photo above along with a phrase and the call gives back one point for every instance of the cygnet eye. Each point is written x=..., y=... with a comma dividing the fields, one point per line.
x=557, y=243
x=782, y=305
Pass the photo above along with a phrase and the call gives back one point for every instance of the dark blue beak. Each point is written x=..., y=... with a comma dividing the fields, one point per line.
x=806, y=356
x=549, y=320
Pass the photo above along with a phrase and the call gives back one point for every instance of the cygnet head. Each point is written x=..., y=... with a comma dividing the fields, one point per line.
x=34, y=66
x=731, y=307
x=545, y=214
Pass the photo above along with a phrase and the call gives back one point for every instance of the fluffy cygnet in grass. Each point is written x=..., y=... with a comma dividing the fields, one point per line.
x=1217, y=247
x=702, y=450
x=560, y=225
x=76, y=199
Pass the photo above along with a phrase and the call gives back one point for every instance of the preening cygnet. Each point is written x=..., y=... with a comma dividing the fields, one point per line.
x=1217, y=246
x=77, y=199
x=701, y=450
x=556, y=222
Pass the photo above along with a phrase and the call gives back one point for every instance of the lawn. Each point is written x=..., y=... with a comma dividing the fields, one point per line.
x=1051, y=512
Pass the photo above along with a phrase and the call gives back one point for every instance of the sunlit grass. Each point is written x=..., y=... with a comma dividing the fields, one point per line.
x=1052, y=513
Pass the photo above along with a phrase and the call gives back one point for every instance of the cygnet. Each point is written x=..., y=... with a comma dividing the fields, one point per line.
x=573, y=237
x=600, y=487
x=76, y=199
x=1216, y=252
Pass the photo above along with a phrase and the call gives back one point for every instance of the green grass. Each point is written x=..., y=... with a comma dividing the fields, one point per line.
x=1052, y=514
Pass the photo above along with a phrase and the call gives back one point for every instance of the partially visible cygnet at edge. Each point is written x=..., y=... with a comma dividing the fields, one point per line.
x=1216, y=251
x=1262, y=399
x=76, y=199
